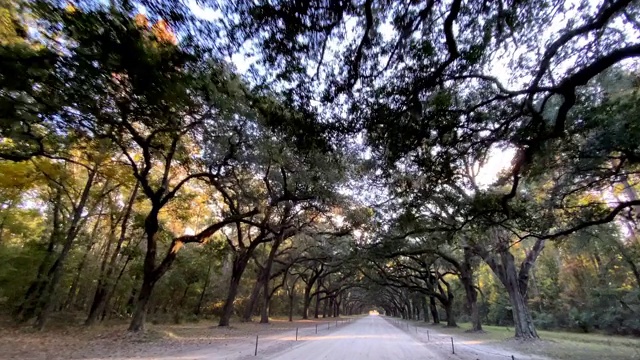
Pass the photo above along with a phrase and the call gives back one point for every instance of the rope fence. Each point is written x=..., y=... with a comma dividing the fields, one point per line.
x=443, y=341
x=306, y=331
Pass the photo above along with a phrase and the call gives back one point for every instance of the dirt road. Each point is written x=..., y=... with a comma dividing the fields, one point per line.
x=368, y=338
x=364, y=338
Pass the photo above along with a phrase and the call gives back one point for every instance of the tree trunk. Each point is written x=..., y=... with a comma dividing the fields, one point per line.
x=325, y=304
x=515, y=282
x=523, y=322
x=204, y=291
x=266, y=303
x=466, y=278
x=74, y=286
x=239, y=265
x=291, y=290
x=55, y=272
x=141, y=306
x=71, y=297
x=434, y=310
x=150, y=275
x=250, y=308
x=291, y=297
x=316, y=312
x=425, y=309
x=306, y=301
x=475, y=314
x=448, y=309
x=103, y=293
x=28, y=307
x=521, y=317
x=184, y=296
x=131, y=301
x=107, y=301
x=266, y=278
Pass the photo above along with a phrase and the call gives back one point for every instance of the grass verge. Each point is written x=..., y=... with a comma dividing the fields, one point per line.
x=553, y=344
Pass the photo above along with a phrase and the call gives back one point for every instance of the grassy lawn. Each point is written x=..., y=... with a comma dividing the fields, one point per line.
x=554, y=344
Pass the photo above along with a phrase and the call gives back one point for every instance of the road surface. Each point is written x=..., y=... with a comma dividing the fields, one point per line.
x=367, y=338
x=370, y=338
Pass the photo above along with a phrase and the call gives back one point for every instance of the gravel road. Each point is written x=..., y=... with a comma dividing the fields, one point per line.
x=367, y=338
x=370, y=338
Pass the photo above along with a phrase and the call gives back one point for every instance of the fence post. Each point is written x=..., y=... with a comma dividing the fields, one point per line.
x=328, y=325
x=256, y=351
x=296, y=334
x=316, y=328
x=428, y=336
x=453, y=350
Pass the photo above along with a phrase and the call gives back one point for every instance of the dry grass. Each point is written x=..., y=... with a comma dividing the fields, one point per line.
x=64, y=341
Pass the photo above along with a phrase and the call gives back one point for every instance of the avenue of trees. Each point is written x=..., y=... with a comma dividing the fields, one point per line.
x=144, y=177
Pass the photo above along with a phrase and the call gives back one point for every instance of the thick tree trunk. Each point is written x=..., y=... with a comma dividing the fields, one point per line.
x=523, y=322
x=266, y=303
x=265, y=309
x=291, y=290
x=266, y=277
x=97, y=305
x=448, y=309
x=239, y=265
x=251, y=305
x=325, y=304
x=316, y=312
x=142, y=305
x=306, y=301
x=476, y=324
x=425, y=309
x=434, y=310
x=515, y=282
x=466, y=278
x=291, y=297
x=268, y=295
x=150, y=275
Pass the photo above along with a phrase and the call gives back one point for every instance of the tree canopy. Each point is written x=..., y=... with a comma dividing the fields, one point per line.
x=343, y=163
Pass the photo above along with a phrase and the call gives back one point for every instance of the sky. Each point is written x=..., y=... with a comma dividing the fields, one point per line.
x=499, y=158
